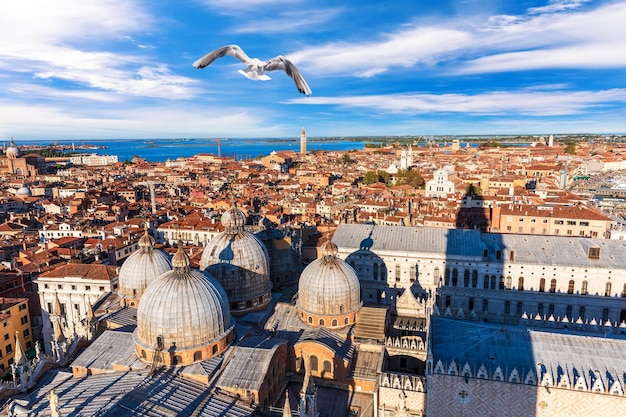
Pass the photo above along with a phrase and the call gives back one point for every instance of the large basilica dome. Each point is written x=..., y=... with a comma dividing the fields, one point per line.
x=240, y=263
x=183, y=316
x=329, y=293
x=140, y=269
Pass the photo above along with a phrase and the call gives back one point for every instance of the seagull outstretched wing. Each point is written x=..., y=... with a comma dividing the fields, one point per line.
x=282, y=63
x=256, y=68
x=232, y=50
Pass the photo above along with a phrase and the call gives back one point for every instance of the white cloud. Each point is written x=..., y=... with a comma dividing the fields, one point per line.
x=50, y=42
x=524, y=102
x=582, y=39
x=38, y=93
x=129, y=122
x=589, y=56
x=578, y=40
x=155, y=81
x=405, y=48
x=558, y=6
x=41, y=22
x=289, y=22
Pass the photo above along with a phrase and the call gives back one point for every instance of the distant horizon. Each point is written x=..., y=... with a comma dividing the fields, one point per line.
x=313, y=138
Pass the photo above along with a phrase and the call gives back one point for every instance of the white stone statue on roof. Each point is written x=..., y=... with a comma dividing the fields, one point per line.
x=54, y=403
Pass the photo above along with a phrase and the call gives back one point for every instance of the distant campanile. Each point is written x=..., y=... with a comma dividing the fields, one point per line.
x=303, y=142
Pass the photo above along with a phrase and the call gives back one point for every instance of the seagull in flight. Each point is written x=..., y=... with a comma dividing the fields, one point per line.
x=256, y=68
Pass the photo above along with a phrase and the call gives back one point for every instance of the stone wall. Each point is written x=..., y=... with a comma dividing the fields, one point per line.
x=452, y=395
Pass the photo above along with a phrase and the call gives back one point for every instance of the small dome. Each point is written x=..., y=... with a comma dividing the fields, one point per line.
x=329, y=287
x=186, y=311
x=140, y=269
x=240, y=262
x=24, y=192
x=181, y=259
x=13, y=151
x=233, y=219
x=329, y=249
x=146, y=241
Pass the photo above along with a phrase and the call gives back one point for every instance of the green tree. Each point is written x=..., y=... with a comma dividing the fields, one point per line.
x=570, y=149
x=490, y=144
x=384, y=176
x=346, y=159
x=410, y=177
x=370, y=177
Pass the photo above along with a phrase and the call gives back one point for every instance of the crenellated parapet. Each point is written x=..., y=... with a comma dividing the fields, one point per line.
x=405, y=342
x=401, y=395
x=593, y=325
x=405, y=382
x=571, y=377
x=539, y=320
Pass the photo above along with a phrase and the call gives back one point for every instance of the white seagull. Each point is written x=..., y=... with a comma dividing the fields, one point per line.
x=256, y=68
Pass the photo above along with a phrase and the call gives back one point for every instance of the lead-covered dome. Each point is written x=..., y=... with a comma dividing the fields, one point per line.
x=240, y=262
x=233, y=219
x=140, y=269
x=184, y=313
x=329, y=293
x=13, y=151
x=24, y=192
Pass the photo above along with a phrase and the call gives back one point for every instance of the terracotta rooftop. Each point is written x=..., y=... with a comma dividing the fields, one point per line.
x=85, y=271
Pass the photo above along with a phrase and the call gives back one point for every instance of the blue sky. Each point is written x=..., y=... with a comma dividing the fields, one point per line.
x=95, y=69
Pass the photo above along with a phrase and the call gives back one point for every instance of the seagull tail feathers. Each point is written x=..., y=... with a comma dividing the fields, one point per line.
x=253, y=75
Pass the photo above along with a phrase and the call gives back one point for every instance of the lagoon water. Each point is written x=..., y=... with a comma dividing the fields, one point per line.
x=160, y=150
